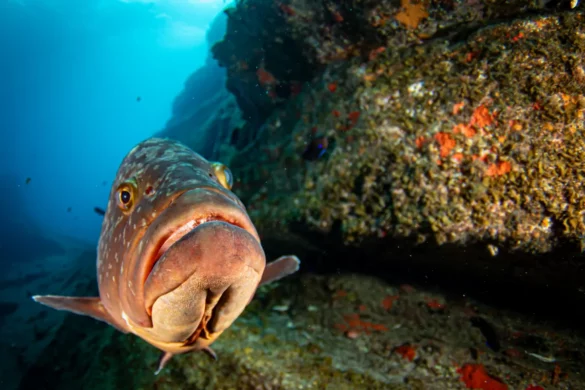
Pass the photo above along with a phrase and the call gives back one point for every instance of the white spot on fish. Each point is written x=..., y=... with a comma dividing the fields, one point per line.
x=125, y=318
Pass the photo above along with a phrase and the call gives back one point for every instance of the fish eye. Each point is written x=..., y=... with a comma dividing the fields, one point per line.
x=224, y=175
x=126, y=196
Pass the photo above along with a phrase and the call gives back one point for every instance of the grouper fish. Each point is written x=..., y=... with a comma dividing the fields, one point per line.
x=178, y=258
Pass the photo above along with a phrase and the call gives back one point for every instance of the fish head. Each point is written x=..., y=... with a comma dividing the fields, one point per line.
x=178, y=258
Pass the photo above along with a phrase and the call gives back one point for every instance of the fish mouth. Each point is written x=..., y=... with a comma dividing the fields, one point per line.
x=224, y=208
x=182, y=230
x=190, y=212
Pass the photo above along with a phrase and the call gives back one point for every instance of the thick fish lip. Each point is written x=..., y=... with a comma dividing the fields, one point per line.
x=235, y=215
x=208, y=204
x=189, y=210
x=185, y=229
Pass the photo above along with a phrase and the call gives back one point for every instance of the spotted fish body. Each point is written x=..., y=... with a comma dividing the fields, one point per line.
x=178, y=257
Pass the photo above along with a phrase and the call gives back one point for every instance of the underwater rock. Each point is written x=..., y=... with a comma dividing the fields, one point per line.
x=205, y=113
x=456, y=142
x=432, y=131
x=26, y=330
x=265, y=64
x=459, y=150
x=294, y=41
x=338, y=332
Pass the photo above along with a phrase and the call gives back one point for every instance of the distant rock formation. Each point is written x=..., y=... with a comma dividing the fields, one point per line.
x=204, y=114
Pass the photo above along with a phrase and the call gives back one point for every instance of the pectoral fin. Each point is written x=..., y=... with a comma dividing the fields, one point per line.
x=86, y=306
x=279, y=268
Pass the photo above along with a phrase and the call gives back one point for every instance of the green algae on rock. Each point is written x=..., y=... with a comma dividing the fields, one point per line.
x=474, y=141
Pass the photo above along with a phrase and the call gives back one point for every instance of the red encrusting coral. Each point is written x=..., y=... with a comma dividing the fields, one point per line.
x=354, y=325
x=388, y=301
x=407, y=351
x=475, y=377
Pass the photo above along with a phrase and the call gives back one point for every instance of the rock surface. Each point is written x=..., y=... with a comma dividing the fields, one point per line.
x=451, y=141
x=29, y=328
x=433, y=129
x=342, y=332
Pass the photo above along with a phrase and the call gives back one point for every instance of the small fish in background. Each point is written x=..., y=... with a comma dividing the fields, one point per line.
x=138, y=99
x=316, y=148
x=183, y=275
x=104, y=183
x=488, y=331
x=28, y=179
x=99, y=211
x=68, y=209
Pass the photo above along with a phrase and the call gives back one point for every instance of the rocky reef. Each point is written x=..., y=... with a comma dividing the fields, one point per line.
x=450, y=139
x=453, y=128
x=342, y=332
x=434, y=135
x=440, y=141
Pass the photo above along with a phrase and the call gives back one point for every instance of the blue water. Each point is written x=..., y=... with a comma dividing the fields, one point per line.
x=71, y=73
